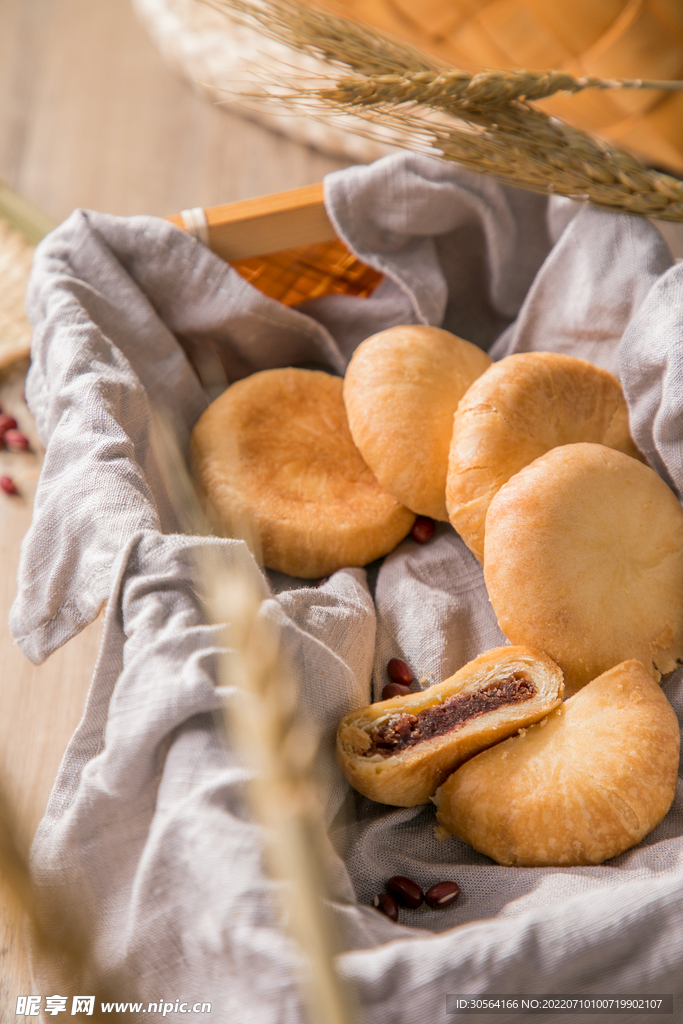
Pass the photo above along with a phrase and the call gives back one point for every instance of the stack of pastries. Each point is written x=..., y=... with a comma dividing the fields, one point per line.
x=532, y=462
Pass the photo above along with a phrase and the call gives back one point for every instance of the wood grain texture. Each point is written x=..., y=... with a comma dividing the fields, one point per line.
x=91, y=117
x=255, y=227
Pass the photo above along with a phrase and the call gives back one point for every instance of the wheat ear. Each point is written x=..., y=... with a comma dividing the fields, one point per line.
x=484, y=121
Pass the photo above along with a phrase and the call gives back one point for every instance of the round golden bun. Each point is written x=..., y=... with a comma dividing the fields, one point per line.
x=584, y=559
x=584, y=786
x=520, y=408
x=276, y=461
x=411, y=775
x=401, y=389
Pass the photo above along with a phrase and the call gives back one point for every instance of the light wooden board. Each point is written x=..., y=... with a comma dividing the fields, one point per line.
x=39, y=706
x=255, y=227
x=91, y=117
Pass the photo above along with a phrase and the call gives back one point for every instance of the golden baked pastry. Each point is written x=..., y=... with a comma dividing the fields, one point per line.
x=398, y=751
x=584, y=786
x=520, y=408
x=401, y=389
x=275, y=459
x=584, y=559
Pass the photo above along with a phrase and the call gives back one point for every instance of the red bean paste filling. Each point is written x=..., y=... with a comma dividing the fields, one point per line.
x=408, y=730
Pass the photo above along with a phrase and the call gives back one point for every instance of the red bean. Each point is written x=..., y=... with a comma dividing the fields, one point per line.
x=394, y=690
x=16, y=441
x=406, y=892
x=423, y=529
x=322, y=582
x=399, y=672
x=386, y=904
x=442, y=894
x=7, y=485
x=7, y=422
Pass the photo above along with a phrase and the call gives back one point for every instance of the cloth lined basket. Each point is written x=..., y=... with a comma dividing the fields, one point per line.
x=147, y=816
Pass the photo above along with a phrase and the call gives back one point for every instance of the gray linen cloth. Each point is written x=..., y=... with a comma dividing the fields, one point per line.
x=146, y=827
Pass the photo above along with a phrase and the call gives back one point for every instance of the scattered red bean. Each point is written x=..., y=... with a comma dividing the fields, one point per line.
x=322, y=582
x=7, y=422
x=442, y=894
x=7, y=485
x=386, y=904
x=406, y=892
x=399, y=672
x=394, y=690
x=16, y=441
x=423, y=529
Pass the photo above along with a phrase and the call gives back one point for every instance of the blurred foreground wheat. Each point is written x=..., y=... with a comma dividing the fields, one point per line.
x=278, y=748
x=282, y=794
x=484, y=121
x=69, y=953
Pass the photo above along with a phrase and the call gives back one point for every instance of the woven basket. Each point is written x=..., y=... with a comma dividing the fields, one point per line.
x=16, y=254
x=283, y=244
x=21, y=227
x=294, y=275
x=608, y=38
x=222, y=58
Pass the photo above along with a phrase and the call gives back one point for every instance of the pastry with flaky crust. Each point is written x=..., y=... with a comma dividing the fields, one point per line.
x=276, y=461
x=398, y=751
x=401, y=389
x=584, y=559
x=584, y=786
x=520, y=408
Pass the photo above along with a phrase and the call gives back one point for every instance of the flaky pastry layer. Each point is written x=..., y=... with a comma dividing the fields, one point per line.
x=584, y=786
x=584, y=559
x=520, y=408
x=276, y=460
x=401, y=390
x=390, y=751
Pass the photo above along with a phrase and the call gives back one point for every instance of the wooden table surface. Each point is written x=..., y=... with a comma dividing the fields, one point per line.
x=90, y=116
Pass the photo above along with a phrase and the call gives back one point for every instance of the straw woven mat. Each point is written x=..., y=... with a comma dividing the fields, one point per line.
x=16, y=255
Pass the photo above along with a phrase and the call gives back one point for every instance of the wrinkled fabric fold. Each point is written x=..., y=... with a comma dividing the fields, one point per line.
x=147, y=821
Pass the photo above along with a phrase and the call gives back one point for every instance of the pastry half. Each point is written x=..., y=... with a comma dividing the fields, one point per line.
x=584, y=559
x=401, y=389
x=584, y=786
x=399, y=751
x=520, y=408
x=276, y=460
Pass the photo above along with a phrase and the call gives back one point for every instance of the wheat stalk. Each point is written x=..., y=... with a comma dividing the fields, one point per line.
x=71, y=950
x=484, y=121
x=282, y=791
x=459, y=90
x=262, y=724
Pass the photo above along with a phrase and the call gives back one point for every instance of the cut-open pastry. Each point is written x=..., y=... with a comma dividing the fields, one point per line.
x=586, y=785
x=275, y=458
x=400, y=750
x=584, y=559
x=401, y=389
x=520, y=408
